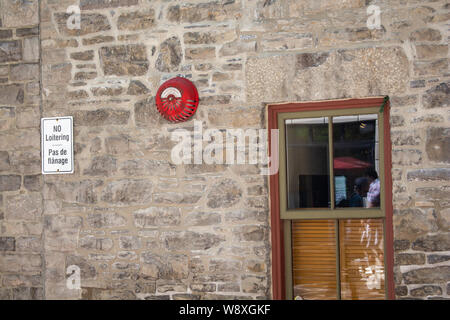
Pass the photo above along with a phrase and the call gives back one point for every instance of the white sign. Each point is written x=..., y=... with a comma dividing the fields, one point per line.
x=57, y=145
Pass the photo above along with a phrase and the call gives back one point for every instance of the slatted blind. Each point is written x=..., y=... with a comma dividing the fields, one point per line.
x=314, y=259
x=361, y=260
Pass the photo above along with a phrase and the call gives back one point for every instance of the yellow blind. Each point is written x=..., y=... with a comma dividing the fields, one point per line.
x=314, y=259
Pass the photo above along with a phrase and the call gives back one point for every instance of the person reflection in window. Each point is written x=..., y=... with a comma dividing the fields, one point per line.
x=359, y=190
x=373, y=196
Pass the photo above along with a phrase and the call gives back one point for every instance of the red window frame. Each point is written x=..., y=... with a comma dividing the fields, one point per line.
x=278, y=267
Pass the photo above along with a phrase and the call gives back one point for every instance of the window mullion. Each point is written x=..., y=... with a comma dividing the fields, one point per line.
x=331, y=161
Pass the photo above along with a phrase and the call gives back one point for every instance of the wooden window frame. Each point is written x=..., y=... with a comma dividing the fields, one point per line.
x=276, y=115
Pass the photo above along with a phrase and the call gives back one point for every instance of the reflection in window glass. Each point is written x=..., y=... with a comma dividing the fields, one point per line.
x=307, y=163
x=361, y=259
x=356, y=161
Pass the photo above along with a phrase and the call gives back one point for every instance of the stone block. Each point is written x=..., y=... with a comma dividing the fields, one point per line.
x=101, y=117
x=7, y=244
x=10, y=182
x=433, y=243
x=12, y=93
x=189, y=240
x=10, y=51
x=128, y=192
x=19, y=13
x=103, y=4
x=438, y=150
x=225, y=194
x=124, y=60
x=139, y=20
x=157, y=217
x=170, y=55
x=90, y=23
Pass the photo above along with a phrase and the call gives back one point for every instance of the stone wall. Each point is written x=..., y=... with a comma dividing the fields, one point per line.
x=21, y=203
x=141, y=227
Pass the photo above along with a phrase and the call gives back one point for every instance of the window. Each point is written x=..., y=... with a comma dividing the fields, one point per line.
x=331, y=201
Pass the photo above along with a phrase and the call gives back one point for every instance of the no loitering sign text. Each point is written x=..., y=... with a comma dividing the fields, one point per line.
x=57, y=145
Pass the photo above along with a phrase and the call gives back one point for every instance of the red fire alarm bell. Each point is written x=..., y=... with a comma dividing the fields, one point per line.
x=177, y=99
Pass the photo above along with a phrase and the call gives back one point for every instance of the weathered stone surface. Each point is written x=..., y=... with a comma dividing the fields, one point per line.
x=430, y=68
x=19, y=13
x=4, y=161
x=10, y=51
x=200, y=53
x=431, y=51
x=97, y=39
x=25, y=32
x=430, y=174
x=24, y=206
x=136, y=20
x=170, y=55
x=85, y=75
x=157, y=216
x=426, y=34
x=101, y=117
x=370, y=71
x=20, y=262
x=87, y=270
x=146, y=114
x=137, y=88
x=28, y=161
x=189, y=240
x=437, y=97
x=24, y=293
x=412, y=223
x=22, y=72
x=237, y=47
x=406, y=157
x=211, y=11
x=203, y=218
x=130, y=242
x=177, y=197
x=224, y=195
x=83, y=56
x=10, y=182
x=437, y=258
x=102, y=4
x=27, y=117
x=128, y=191
x=254, y=284
x=101, y=166
x=105, y=220
x=7, y=244
x=90, y=23
x=12, y=93
x=93, y=243
x=33, y=182
x=426, y=291
x=168, y=266
x=124, y=60
x=250, y=233
x=438, y=149
x=433, y=243
x=427, y=275
x=142, y=167
x=72, y=191
x=403, y=259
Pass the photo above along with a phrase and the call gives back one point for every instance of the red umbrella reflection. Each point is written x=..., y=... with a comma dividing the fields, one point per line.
x=350, y=163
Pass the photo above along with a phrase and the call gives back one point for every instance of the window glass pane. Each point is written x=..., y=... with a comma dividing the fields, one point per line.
x=307, y=163
x=314, y=259
x=356, y=161
x=361, y=259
